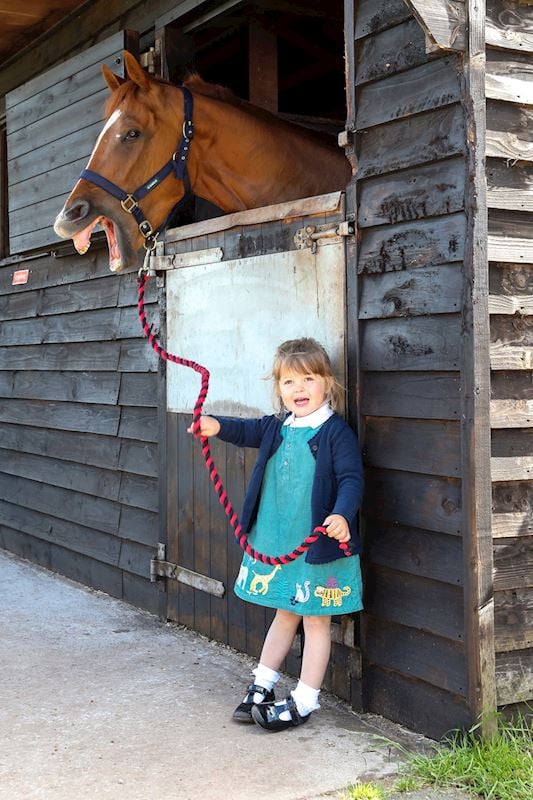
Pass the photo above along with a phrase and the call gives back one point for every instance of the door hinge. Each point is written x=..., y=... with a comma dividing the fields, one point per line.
x=160, y=568
x=314, y=235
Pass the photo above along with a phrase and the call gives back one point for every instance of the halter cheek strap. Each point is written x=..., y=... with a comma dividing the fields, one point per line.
x=177, y=165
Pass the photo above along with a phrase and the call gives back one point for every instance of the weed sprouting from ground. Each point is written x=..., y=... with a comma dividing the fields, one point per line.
x=364, y=791
x=499, y=767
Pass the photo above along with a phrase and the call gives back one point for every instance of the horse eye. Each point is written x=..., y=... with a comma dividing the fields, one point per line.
x=132, y=134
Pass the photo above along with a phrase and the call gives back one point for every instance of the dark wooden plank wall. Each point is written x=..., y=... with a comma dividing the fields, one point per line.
x=78, y=387
x=199, y=536
x=52, y=124
x=411, y=187
x=509, y=90
x=78, y=425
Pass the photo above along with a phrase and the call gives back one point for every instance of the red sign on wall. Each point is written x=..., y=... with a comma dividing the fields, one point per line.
x=20, y=276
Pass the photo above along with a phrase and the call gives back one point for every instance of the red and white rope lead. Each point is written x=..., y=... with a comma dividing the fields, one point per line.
x=224, y=500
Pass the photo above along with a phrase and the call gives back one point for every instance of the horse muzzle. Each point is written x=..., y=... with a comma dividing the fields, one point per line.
x=78, y=220
x=70, y=218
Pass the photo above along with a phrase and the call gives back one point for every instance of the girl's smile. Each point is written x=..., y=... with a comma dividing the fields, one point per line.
x=302, y=393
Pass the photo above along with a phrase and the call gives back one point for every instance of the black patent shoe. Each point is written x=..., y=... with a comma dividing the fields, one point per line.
x=243, y=712
x=267, y=715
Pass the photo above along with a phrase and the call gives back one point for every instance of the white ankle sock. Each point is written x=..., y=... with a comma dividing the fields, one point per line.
x=306, y=698
x=265, y=677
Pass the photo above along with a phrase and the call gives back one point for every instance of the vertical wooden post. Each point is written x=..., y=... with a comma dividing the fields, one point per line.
x=263, y=66
x=165, y=431
x=174, y=53
x=352, y=293
x=4, y=220
x=475, y=428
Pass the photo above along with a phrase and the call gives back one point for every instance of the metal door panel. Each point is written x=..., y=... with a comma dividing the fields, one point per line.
x=230, y=316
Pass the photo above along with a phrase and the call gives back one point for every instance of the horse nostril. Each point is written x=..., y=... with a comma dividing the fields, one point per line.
x=77, y=211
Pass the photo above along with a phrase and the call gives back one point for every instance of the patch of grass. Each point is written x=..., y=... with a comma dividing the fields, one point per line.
x=364, y=791
x=496, y=768
x=408, y=784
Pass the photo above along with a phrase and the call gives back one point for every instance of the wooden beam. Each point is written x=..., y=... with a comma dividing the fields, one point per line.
x=174, y=53
x=509, y=304
x=509, y=76
x=519, y=468
x=443, y=21
x=509, y=237
x=509, y=524
x=511, y=413
x=262, y=65
x=509, y=25
x=476, y=487
x=4, y=231
x=510, y=185
x=377, y=15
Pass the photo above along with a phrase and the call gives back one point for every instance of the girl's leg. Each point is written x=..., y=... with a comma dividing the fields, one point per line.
x=317, y=650
x=276, y=716
x=279, y=639
x=315, y=660
x=276, y=646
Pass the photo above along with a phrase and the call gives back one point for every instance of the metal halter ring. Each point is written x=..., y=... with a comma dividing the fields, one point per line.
x=150, y=242
x=132, y=204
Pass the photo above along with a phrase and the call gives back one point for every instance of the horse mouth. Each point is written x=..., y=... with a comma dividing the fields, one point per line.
x=82, y=241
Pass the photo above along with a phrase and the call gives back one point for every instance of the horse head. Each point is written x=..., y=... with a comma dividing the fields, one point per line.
x=241, y=157
x=144, y=121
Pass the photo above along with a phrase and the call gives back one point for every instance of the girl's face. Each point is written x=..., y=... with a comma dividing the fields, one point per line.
x=301, y=393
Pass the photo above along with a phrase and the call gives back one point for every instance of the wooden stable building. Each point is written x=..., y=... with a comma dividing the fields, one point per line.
x=427, y=311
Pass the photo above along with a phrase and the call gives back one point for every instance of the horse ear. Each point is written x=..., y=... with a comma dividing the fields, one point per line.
x=112, y=80
x=135, y=72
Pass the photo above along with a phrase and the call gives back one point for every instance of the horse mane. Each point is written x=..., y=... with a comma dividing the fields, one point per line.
x=196, y=83
x=193, y=81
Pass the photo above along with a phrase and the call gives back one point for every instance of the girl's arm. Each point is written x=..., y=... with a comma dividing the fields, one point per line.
x=209, y=426
x=348, y=468
x=240, y=432
x=337, y=528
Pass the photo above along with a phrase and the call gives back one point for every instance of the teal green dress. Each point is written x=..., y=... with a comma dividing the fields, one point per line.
x=283, y=522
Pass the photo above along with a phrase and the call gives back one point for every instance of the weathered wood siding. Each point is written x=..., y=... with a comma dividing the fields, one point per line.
x=52, y=124
x=79, y=388
x=509, y=91
x=78, y=425
x=411, y=215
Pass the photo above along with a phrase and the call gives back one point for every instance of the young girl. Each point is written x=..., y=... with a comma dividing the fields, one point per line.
x=308, y=473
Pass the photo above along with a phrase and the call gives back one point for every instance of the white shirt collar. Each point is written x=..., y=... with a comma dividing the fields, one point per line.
x=312, y=420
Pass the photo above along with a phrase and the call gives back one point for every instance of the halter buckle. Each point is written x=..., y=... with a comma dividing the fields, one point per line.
x=128, y=204
x=145, y=228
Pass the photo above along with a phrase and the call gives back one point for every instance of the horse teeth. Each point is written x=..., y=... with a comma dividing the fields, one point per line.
x=115, y=265
x=83, y=250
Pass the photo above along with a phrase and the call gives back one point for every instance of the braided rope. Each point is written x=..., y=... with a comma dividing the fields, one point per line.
x=224, y=500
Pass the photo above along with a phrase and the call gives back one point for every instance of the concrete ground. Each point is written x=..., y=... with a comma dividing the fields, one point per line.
x=100, y=700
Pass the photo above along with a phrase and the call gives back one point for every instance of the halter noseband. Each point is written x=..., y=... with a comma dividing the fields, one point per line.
x=177, y=164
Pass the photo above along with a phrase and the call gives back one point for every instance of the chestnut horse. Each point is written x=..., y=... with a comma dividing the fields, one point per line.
x=231, y=153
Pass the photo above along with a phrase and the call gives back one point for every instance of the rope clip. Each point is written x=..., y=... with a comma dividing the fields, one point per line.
x=146, y=269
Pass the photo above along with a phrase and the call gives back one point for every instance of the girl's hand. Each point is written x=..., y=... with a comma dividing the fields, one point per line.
x=337, y=528
x=209, y=426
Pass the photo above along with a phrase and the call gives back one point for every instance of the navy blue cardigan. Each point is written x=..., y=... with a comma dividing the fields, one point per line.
x=337, y=484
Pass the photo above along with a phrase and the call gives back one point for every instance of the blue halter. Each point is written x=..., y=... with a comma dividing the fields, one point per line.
x=177, y=165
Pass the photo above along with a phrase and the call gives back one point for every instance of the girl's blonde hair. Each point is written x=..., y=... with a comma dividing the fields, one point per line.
x=303, y=356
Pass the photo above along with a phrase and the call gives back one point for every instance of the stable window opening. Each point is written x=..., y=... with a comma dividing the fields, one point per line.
x=286, y=58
